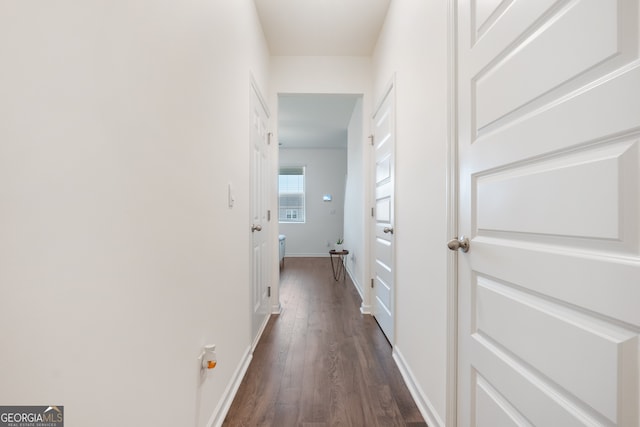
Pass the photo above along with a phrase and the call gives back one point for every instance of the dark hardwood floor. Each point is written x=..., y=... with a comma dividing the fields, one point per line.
x=321, y=362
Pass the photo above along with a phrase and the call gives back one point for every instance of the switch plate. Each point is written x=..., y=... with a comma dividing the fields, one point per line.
x=231, y=200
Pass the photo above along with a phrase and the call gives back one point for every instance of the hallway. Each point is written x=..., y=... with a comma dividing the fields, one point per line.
x=321, y=362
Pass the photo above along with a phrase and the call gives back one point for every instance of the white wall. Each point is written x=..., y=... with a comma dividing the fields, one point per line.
x=325, y=173
x=413, y=45
x=327, y=75
x=356, y=198
x=121, y=125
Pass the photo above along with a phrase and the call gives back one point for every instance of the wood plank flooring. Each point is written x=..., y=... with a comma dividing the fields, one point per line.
x=321, y=362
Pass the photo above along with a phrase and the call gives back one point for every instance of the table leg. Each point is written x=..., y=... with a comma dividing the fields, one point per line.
x=338, y=269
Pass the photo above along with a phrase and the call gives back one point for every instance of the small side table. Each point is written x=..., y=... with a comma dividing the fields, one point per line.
x=338, y=268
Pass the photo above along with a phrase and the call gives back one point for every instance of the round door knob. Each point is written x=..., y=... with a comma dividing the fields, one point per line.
x=256, y=228
x=388, y=230
x=461, y=243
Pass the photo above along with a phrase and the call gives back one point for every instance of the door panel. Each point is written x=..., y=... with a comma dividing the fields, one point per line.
x=384, y=215
x=549, y=161
x=581, y=352
x=536, y=402
x=494, y=410
x=586, y=200
x=509, y=81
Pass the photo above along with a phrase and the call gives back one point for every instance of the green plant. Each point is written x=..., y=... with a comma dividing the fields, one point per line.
x=340, y=241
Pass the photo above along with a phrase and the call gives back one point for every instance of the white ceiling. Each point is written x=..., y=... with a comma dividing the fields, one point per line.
x=319, y=28
x=322, y=27
x=314, y=120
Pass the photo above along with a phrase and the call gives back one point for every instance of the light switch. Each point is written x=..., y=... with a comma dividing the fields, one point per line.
x=232, y=200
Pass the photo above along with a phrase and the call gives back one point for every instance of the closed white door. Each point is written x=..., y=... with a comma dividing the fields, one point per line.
x=549, y=180
x=259, y=221
x=383, y=145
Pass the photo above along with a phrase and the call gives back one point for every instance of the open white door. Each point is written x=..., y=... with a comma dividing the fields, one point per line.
x=383, y=273
x=549, y=159
x=259, y=221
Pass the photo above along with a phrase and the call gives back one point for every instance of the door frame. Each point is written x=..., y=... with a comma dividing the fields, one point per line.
x=452, y=217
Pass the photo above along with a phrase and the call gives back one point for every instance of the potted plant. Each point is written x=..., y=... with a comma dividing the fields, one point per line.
x=338, y=246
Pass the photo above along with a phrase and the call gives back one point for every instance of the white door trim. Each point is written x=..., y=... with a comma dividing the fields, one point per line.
x=452, y=219
x=391, y=85
x=256, y=88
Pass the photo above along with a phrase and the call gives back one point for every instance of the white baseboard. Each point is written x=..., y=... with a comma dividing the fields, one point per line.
x=422, y=401
x=276, y=308
x=364, y=308
x=259, y=335
x=355, y=282
x=229, y=394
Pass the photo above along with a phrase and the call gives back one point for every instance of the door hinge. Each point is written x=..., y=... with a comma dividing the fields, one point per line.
x=372, y=283
x=371, y=139
x=373, y=213
x=269, y=215
x=269, y=134
x=268, y=291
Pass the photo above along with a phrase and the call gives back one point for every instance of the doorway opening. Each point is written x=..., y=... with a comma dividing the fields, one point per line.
x=321, y=176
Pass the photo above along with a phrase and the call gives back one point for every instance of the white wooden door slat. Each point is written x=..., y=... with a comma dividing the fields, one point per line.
x=493, y=409
x=534, y=396
x=513, y=82
x=560, y=355
x=594, y=281
x=586, y=201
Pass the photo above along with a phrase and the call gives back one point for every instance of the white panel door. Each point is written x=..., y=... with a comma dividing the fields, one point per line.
x=383, y=121
x=259, y=220
x=549, y=188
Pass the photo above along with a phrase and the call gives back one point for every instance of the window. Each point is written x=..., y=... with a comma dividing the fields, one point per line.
x=291, y=194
